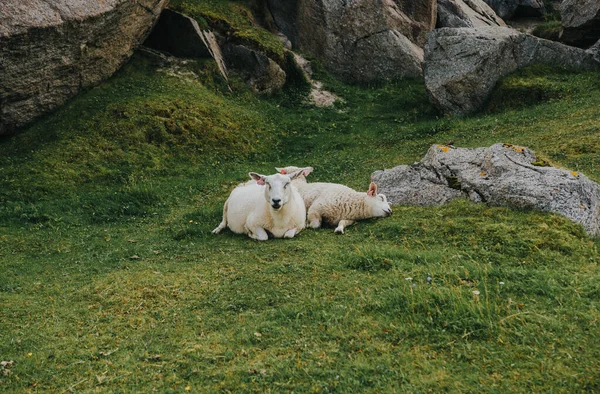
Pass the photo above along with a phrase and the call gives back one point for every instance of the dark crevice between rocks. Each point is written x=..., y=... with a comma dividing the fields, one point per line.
x=173, y=36
x=453, y=182
x=527, y=12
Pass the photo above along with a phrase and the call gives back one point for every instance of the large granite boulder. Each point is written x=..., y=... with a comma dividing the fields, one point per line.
x=504, y=175
x=50, y=50
x=509, y=9
x=360, y=40
x=581, y=22
x=462, y=66
x=466, y=13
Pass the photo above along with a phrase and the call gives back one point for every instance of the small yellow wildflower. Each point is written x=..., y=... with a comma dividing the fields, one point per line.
x=574, y=174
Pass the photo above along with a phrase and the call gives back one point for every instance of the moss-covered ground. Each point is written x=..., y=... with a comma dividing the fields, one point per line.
x=110, y=280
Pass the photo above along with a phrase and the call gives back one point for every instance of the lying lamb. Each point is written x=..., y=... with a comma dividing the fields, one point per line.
x=270, y=204
x=337, y=204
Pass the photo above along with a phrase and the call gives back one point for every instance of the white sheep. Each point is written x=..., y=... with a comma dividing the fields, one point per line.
x=268, y=204
x=337, y=204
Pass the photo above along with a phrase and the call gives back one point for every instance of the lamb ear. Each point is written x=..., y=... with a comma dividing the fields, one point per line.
x=260, y=179
x=372, y=190
x=306, y=171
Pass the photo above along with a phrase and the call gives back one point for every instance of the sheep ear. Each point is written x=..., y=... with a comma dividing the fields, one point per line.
x=296, y=174
x=280, y=170
x=260, y=179
x=306, y=171
x=372, y=190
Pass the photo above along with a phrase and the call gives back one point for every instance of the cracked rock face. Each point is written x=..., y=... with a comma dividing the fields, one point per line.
x=501, y=175
x=51, y=49
x=581, y=22
x=463, y=65
x=360, y=40
x=466, y=13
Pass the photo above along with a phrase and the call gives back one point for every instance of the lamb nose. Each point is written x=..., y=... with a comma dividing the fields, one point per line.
x=276, y=201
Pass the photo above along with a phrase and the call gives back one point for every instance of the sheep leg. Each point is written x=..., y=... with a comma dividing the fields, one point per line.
x=343, y=223
x=220, y=227
x=314, y=219
x=259, y=234
x=290, y=233
x=223, y=223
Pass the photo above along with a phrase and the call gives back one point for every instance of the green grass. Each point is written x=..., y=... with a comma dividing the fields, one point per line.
x=110, y=280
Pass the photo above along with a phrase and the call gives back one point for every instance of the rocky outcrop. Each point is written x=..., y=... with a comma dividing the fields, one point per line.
x=581, y=22
x=181, y=36
x=50, y=50
x=504, y=175
x=509, y=9
x=466, y=13
x=262, y=74
x=462, y=66
x=361, y=40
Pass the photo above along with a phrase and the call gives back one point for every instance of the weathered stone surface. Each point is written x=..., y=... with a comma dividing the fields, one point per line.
x=508, y=9
x=463, y=65
x=49, y=50
x=581, y=22
x=361, y=40
x=499, y=175
x=466, y=13
x=263, y=74
x=594, y=50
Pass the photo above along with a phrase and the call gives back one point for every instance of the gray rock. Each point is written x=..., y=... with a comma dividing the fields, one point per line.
x=508, y=9
x=501, y=175
x=594, y=50
x=463, y=65
x=466, y=13
x=360, y=40
x=50, y=50
x=581, y=22
x=262, y=74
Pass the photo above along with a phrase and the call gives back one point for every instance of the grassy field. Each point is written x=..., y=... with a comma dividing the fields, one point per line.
x=110, y=280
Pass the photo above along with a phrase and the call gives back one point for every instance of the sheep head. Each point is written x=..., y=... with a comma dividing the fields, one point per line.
x=278, y=187
x=305, y=171
x=378, y=202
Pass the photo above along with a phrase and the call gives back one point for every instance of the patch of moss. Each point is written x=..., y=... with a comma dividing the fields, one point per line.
x=529, y=86
x=141, y=122
x=549, y=30
x=234, y=20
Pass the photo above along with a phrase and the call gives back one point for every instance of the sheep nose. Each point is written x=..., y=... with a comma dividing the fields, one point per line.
x=276, y=202
x=389, y=212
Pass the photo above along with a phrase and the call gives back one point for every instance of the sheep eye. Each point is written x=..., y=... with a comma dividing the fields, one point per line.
x=285, y=186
